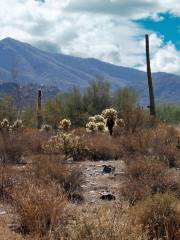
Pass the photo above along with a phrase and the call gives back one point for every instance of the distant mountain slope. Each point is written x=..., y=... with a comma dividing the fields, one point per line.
x=22, y=63
x=27, y=93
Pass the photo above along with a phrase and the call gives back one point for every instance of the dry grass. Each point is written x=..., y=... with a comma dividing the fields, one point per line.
x=159, y=216
x=102, y=147
x=52, y=169
x=147, y=176
x=43, y=189
x=7, y=234
x=39, y=207
x=104, y=223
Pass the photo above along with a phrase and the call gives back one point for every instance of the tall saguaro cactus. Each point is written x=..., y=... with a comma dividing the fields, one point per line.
x=150, y=83
x=39, y=110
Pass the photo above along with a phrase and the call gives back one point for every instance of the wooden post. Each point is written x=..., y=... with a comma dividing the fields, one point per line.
x=39, y=110
x=150, y=83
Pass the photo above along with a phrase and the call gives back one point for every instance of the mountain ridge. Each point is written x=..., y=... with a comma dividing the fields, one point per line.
x=22, y=63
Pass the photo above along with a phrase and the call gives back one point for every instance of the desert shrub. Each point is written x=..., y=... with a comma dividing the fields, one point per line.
x=101, y=224
x=159, y=216
x=136, y=118
x=39, y=207
x=17, y=144
x=11, y=147
x=145, y=177
x=169, y=113
x=51, y=169
x=105, y=222
x=7, y=234
x=159, y=142
x=34, y=139
x=6, y=182
x=102, y=147
x=124, y=97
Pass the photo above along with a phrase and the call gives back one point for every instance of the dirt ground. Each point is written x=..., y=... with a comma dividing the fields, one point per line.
x=98, y=183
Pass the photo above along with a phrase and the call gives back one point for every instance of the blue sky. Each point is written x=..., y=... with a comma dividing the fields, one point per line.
x=168, y=27
x=110, y=30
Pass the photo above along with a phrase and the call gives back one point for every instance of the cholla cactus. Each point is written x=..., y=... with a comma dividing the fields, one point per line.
x=68, y=144
x=58, y=143
x=91, y=119
x=46, y=128
x=120, y=123
x=65, y=124
x=18, y=124
x=99, y=119
x=91, y=127
x=96, y=123
x=101, y=126
x=4, y=123
x=110, y=115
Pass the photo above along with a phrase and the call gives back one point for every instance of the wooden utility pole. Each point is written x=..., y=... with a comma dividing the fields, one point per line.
x=39, y=110
x=150, y=83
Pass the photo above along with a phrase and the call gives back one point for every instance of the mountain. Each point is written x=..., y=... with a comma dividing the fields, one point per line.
x=24, y=64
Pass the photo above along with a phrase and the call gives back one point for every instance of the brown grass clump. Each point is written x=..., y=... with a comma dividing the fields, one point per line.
x=158, y=216
x=34, y=139
x=102, y=147
x=52, y=169
x=147, y=176
x=102, y=223
x=39, y=207
x=159, y=142
x=6, y=234
x=7, y=178
x=11, y=147
x=134, y=118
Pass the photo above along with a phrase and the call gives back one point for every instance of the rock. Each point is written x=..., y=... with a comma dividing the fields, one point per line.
x=108, y=169
x=107, y=196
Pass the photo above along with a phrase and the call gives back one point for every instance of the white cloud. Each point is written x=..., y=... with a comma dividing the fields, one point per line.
x=132, y=9
x=166, y=59
x=74, y=27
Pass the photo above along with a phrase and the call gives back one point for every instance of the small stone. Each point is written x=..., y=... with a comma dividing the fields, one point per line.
x=107, y=196
x=108, y=169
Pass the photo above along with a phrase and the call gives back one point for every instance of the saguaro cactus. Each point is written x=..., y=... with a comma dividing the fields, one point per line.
x=150, y=83
x=39, y=110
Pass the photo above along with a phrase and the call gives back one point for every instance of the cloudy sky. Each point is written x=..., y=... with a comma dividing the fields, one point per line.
x=110, y=30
